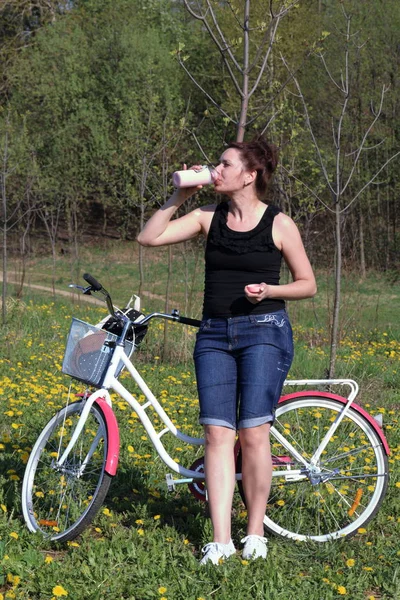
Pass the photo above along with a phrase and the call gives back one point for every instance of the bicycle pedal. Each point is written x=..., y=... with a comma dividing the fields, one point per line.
x=170, y=482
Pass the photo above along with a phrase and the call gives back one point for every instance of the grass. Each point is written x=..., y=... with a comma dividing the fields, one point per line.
x=145, y=542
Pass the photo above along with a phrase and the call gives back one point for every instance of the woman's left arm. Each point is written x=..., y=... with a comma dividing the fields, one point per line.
x=287, y=239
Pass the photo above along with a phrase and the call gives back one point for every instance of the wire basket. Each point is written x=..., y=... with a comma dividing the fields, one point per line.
x=89, y=351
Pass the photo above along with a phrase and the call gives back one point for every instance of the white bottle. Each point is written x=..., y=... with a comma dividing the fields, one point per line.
x=190, y=177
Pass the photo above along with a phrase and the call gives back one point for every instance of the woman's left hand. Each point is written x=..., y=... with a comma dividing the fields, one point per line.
x=256, y=292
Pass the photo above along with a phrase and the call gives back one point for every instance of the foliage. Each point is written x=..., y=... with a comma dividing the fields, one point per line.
x=108, y=112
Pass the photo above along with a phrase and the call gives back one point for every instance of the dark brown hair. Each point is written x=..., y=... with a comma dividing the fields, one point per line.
x=261, y=156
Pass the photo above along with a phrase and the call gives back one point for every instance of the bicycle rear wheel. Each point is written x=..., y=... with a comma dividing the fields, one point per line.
x=60, y=501
x=343, y=491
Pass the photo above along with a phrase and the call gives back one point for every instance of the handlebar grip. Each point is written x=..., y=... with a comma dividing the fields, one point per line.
x=93, y=282
x=187, y=321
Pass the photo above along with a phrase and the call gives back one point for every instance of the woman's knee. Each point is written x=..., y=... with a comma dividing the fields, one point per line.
x=217, y=436
x=252, y=438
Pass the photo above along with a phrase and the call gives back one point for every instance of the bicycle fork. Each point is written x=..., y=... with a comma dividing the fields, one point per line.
x=103, y=400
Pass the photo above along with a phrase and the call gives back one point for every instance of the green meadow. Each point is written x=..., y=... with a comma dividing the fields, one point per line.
x=145, y=542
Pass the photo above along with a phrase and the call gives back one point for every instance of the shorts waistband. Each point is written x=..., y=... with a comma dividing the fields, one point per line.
x=242, y=318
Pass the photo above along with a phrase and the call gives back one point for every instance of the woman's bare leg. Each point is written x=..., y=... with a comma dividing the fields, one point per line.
x=220, y=478
x=256, y=474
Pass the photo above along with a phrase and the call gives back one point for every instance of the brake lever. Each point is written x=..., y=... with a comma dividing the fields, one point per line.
x=85, y=290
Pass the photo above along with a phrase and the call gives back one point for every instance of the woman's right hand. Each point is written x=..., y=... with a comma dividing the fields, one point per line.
x=186, y=192
x=162, y=229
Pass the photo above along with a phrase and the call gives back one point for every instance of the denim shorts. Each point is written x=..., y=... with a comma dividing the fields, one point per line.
x=241, y=364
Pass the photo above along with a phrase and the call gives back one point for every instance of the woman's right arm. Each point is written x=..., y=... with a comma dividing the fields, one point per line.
x=160, y=230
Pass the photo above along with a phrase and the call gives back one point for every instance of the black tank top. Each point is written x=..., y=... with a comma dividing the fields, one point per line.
x=235, y=259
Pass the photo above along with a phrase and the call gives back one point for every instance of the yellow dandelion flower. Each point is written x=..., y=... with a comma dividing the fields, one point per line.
x=48, y=559
x=14, y=535
x=140, y=531
x=107, y=512
x=156, y=517
x=342, y=590
x=186, y=542
x=162, y=590
x=3, y=507
x=398, y=484
x=13, y=579
x=244, y=562
x=350, y=562
x=59, y=591
x=362, y=530
x=73, y=544
x=139, y=521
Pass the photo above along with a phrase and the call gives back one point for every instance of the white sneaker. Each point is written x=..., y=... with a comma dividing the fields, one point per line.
x=214, y=552
x=255, y=546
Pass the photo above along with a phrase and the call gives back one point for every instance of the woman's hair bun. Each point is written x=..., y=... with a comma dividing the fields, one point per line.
x=270, y=151
x=261, y=156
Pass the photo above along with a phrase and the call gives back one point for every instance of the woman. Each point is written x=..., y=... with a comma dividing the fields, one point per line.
x=244, y=347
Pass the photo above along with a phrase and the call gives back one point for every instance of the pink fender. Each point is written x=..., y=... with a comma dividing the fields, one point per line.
x=113, y=436
x=356, y=407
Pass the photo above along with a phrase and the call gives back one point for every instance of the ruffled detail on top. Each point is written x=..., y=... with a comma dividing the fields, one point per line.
x=258, y=239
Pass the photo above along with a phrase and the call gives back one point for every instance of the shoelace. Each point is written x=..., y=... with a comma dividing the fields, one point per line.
x=213, y=547
x=254, y=539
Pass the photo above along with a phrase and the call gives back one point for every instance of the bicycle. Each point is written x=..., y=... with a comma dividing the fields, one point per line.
x=330, y=457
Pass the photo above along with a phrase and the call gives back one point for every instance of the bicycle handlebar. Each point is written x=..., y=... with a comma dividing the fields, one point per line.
x=174, y=316
x=92, y=282
x=187, y=321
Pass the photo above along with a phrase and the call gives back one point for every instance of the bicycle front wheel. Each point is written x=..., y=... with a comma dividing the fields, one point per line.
x=339, y=494
x=61, y=500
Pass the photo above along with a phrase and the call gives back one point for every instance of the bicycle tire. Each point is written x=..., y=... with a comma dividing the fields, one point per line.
x=60, y=502
x=351, y=483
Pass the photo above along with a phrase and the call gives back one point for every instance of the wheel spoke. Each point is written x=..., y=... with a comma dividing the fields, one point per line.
x=343, y=490
x=59, y=499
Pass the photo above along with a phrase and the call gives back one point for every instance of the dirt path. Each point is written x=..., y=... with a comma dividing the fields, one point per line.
x=74, y=296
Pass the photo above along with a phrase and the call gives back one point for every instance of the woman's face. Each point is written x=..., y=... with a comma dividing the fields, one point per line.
x=230, y=172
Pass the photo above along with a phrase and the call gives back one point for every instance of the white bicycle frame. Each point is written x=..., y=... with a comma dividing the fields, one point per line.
x=111, y=382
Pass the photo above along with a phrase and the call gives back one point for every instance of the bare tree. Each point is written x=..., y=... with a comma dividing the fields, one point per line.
x=4, y=223
x=50, y=214
x=246, y=72
x=345, y=163
x=12, y=211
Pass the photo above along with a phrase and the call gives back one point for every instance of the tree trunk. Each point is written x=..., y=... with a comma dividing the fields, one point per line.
x=336, y=304
x=4, y=203
x=165, y=351
x=363, y=268
x=142, y=210
x=245, y=84
x=23, y=252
